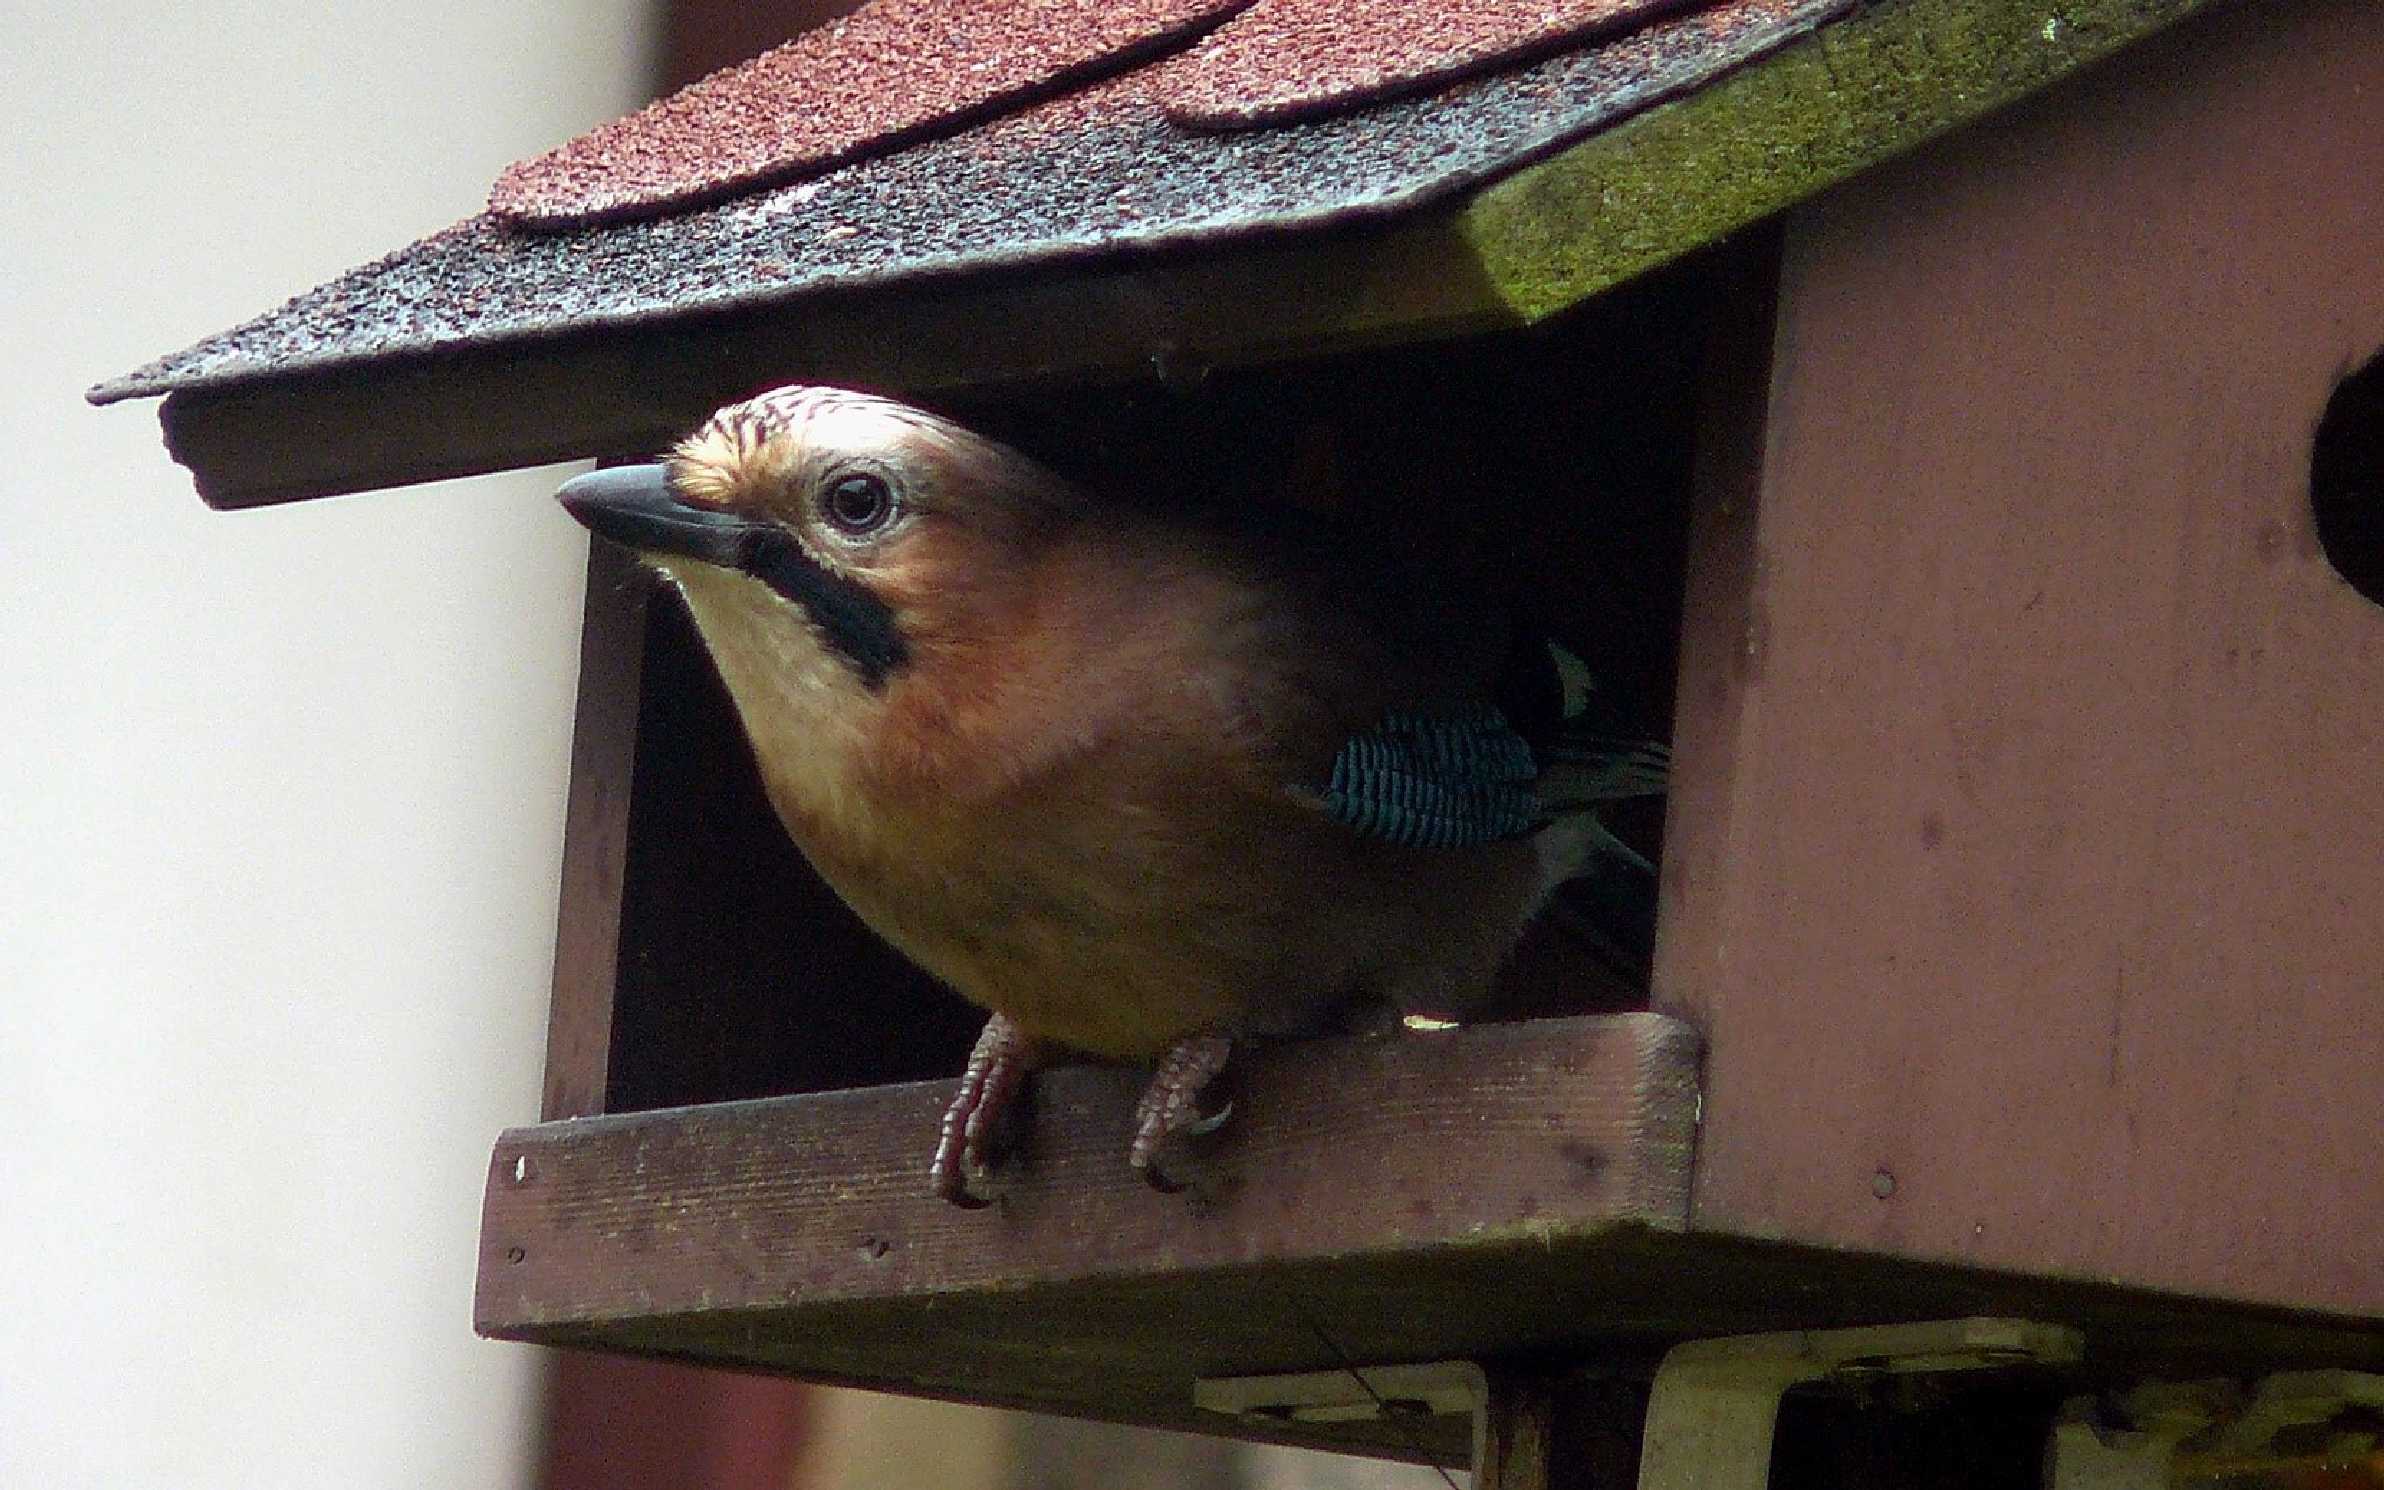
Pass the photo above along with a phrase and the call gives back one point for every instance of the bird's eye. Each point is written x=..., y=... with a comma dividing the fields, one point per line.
x=858, y=503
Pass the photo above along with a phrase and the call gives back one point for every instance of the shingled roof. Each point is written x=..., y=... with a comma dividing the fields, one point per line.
x=945, y=191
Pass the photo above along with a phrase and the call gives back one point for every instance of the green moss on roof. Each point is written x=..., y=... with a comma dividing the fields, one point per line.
x=1853, y=95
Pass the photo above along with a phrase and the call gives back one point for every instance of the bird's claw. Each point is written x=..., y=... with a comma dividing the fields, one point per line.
x=985, y=1117
x=963, y=1170
x=960, y=1184
x=1169, y=1116
x=1202, y=1127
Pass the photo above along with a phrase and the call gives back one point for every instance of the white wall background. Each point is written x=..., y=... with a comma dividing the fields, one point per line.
x=280, y=792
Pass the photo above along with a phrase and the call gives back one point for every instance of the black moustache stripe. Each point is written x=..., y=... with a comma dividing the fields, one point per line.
x=856, y=624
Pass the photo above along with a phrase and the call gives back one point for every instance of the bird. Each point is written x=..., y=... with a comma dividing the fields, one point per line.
x=1144, y=784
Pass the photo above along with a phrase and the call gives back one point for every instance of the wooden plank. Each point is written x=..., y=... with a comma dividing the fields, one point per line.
x=672, y=1233
x=1427, y=1198
x=2023, y=875
x=1338, y=1149
x=579, y=1027
x=1127, y=1348
x=1720, y=633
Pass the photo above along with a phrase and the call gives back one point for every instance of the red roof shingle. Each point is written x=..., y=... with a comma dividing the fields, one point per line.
x=1282, y=60
x=885, y=75
x=897, y=72
x=1085, y=169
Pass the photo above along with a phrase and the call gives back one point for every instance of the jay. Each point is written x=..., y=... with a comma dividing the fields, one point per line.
x=1141, y=784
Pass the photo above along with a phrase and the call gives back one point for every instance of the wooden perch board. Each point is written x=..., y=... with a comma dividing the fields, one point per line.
x=1509, y=1192
x=1337, y=1149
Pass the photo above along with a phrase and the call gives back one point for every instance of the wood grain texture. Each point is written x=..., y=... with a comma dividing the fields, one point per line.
x=579, y=1025
x=797, y=1234
x=1424, y=1199
x=1337, y=1149
x=2024, y=876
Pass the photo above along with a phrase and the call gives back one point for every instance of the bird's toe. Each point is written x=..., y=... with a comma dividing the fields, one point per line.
x=1173, y=1115
x=963, y=1184
x=986, y=1118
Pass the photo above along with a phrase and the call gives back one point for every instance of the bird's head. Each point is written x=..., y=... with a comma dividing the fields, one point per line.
x=838, y=552
x=843, y=532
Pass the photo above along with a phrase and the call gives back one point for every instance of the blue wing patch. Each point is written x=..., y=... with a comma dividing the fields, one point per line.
x=1441, y=780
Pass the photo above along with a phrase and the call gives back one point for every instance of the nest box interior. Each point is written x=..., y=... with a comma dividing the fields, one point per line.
x=1986, y=526
x=739, y=974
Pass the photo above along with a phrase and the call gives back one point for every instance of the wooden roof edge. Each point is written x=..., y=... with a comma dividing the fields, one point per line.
x=1590, y=217
x=621, y=391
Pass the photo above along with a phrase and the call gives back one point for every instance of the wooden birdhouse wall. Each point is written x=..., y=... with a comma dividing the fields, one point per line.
x=2028, y=846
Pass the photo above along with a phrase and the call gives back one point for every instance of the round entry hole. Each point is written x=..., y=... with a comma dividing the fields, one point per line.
x=2347, y=479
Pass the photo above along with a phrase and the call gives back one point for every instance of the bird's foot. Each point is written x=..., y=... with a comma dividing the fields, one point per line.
x=986, y=1114
x=1171, y=1112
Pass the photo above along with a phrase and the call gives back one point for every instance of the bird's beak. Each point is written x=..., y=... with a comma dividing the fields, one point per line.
x=635, y=507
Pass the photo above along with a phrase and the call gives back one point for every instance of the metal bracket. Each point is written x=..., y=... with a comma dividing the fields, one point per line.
x=2084, y=1457
x=1710, y=1416
x=2296, y=1399
x=2207, y=1431
x=1355, y=1395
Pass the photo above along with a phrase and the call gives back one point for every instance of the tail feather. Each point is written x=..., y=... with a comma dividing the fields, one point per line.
x=1580, y=770
x=1600, y=891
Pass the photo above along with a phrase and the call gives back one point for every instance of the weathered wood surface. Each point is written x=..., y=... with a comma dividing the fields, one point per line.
x=1337, y=1149
x=1129, y=1349
x=2024, y=871
x=1506, y=1193
x=579, y=1026
x=798, y=1234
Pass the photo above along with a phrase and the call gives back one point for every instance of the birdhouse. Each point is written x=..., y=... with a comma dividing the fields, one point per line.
x=1955, y=426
